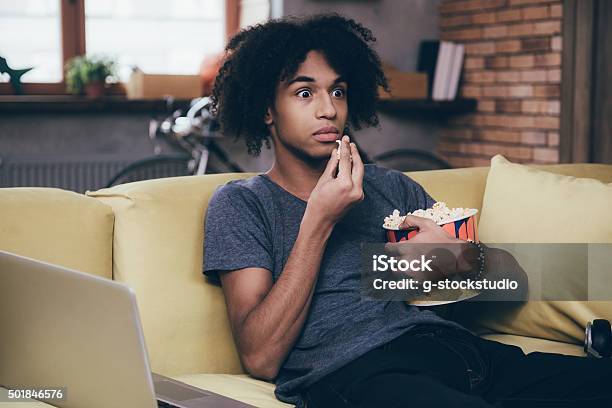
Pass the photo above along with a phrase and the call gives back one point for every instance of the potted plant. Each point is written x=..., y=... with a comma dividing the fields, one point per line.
x=89, y=74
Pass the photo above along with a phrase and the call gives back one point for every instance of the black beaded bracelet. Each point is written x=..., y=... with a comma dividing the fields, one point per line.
x=481, y=258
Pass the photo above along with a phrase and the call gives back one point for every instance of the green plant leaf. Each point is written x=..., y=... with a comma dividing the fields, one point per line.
x=83, y=70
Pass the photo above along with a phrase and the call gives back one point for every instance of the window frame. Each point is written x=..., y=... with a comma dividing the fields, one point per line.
x=72, y=21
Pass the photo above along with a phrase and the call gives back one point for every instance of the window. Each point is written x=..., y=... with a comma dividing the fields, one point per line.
x=158, y=36
x=31, y=37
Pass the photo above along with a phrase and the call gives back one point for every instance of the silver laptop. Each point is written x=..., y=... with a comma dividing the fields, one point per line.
x=72, y=331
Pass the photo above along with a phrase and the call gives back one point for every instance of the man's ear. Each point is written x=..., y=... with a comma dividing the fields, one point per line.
x=268, y=117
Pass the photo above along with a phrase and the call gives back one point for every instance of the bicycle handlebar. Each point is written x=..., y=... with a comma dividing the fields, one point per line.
x=190, y=132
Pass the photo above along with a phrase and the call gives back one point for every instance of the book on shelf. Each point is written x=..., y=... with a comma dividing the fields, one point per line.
x=443, y=63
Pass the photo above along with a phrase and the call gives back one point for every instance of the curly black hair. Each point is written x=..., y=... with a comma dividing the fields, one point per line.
x=259, y=57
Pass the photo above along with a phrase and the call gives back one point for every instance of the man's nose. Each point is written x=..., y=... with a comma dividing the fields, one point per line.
x=326, y=107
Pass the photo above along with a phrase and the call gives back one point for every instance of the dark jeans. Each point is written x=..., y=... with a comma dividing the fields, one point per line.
x=438, y=366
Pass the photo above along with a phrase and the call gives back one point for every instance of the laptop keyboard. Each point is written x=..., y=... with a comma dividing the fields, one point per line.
x=162, y=404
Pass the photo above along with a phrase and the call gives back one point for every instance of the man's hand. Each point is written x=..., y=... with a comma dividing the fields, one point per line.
x=450, y=255
x=334, y=195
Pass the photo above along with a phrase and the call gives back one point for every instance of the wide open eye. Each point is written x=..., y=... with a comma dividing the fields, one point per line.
x=301, y=93
x=338, y=92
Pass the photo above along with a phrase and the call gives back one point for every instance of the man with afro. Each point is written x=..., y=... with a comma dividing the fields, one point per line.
x=285, y=245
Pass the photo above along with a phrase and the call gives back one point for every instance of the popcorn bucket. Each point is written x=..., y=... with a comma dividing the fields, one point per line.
x=464, y=228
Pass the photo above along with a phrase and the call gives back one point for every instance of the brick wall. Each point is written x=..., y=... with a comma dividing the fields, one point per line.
x=513, y=68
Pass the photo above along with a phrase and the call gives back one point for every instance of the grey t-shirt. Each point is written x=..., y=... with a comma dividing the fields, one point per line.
x=255, y=222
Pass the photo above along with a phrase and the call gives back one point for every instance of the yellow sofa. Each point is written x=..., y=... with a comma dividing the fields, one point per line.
x=149, y=235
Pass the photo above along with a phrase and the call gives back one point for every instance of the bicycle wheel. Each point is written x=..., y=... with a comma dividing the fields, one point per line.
x=153, y=168
x=411, y=160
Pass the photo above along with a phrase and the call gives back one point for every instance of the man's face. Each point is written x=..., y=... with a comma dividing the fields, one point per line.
x=314, y=98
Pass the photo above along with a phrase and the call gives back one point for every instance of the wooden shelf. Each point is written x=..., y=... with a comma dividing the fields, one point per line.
x=427, y=106
x=118, y=104
x=80, y=104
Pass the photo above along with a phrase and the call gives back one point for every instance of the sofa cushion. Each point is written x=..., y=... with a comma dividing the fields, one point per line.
x=57, y=226
x=525, y=205
x=240, y=387
x=532, y=344
x=465, y=187
x=158, y=251
x=544, y=207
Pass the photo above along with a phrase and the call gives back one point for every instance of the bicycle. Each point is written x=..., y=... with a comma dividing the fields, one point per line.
x=195, y=134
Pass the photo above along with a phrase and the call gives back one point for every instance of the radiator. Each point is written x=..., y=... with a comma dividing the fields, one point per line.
x=75, y=175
